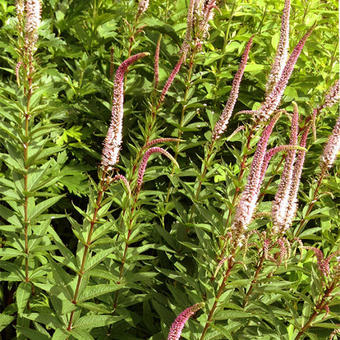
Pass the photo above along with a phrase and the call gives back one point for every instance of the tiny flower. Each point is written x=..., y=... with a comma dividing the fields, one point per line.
x=221, y=125
x=332, y=147
x=273, y=99
x=247, y=204
x=282, y=50
x=177, y=326
x=113, y=140
x=144, y=162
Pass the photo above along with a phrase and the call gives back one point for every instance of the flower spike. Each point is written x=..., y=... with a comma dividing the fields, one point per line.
x=280, y=204
x=33, y=19
x=221, y=125
x=332, y=147
x=247, y=204
x=142, y=6
x=113, y=140
x=177, y=326
x=144, y=162
x=282, y=50
x=273, y=99
x=292, y=204
x=156, y=63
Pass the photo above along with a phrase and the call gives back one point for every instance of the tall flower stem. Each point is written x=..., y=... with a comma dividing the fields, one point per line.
x=238, y=189
x=304, y=220
x=220, y=291
x=186, y=93
x=318, y=308
x=102, y=189
x=256, y=275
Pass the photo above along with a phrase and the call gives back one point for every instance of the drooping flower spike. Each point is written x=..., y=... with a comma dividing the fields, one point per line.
x=177, y=326
x=142, y=167
x=113, y=140
x=280, y=203
x=248, y=200
x=171, y=79
x=122, y=178
x=282, y=50
x=332, y=147
x=222, y=123
x=160, y=141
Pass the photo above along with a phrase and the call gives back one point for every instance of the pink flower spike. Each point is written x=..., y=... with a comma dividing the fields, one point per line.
x=161, y=140
x=294, y=187
x=177, y=326
x=332, y=147
x=323, y=265
x=142, y=6
x=171, y=79
x=333, y=95
x=124, y=180
x=156, y=63
x=247, y=204
x=144, y=162
x=33, y=19
x=221, y=125
x=282, y=50
x=272, y=152
x=280, y=204
x=273, y=99
x=113, y=140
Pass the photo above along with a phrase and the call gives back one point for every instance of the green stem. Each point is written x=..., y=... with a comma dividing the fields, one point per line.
x=319, y=307
x=218, y=295
x=304, y=221
x=87, y=245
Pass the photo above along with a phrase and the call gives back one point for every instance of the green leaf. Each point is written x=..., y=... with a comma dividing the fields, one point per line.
x=22, y=295
x=5, y=320
x=91, y=292
x=93, y=321
x=32, y=334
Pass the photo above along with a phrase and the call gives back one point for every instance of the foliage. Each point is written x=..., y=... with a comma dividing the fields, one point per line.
x=90, y=252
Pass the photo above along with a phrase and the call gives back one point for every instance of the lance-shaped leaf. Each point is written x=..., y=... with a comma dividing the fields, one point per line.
x=221, y=125
x=280, y=204
x=177, y=326
x=144, y=162
x=247, y=204
x=282, y=50
x=332, y=147
x=113, y=140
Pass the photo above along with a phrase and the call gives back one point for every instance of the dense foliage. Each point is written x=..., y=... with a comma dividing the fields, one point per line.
x=176, y=214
